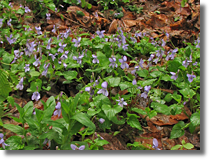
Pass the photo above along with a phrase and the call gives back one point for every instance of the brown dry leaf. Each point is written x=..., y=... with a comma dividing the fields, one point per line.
x=162, y=120
x=167, y=143
x=184, y=11
x=130, y=23
x=113, y=26
x=158, y=21
x=179, y=24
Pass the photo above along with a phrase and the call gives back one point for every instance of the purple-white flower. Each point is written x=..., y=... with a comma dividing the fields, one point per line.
x=155, y=144
x=9, y=22
x=174, y=75
x=66, y=34
x=101, y=120
x=123, y=62
x=125, y=46
x=100, y=33
x=151, y=57
x=138, y=34
x=37, y=62
x=54, y=29
x=190, y=77
x=27, y=69
x=62, y=46
x=2, y=141
x=10, y=40
x=185, y=63
x=20, y=84
x=53, y=56
x=156, y=60
x=104, y=90
x=163, y=43
x=133, y=39
x=47, y=141
x=147, y=88
x=58, y=109
x=79, y=58
x=74, y=147
x=30, y=47
x=78, y=1
x=95, y=59
x=44, y=73
x=48, y=16
x=121, y=102
x=1, y=22
x=49, y=44
x=141, y=63
x=38, y=29
x=27, y=9
x=77, y=42
x=134, y=82
x=35, y=96
x=113, y=63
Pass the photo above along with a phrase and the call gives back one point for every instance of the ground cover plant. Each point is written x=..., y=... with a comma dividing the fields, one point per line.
x=72, y=78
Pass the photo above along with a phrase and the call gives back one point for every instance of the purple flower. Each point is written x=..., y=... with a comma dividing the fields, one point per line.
x=144, y=95
x=185, y=63
x=163, y=43
x=66, y=34
x=95, y=60
x=2, y=141
x=141, y=63
x=89, y=90
x=48, y=16
x=123, y=62
x=53, y=56
x=9, y=22
x=121, y=102
x=20, y=84
x=27, y=9
x=78, y=1
x=74, y=147
x=133, y=39
x=147, y=88
x=62, y=46
x=159, y=53
x=44, y=73
x=100, y=33
x=1, y=22
x=30, y=47
x=151, y=57
x=104, y=89
x=101, y=120
x=155, y=144
x=38, y=29
x=10, y=40
x=174, y=75
x=113, y=63
x=35, y=96
x=156, y=60
x=27, y=69
x=37, y=62
x=48, y=44
x=138, y=35
x=125, y=46
x=134, y=81
x=190, y=77
x=77, y=42
x=54, y=29
x=79, y=58
x=195, y=64
x=58, y=109
x=47, y=141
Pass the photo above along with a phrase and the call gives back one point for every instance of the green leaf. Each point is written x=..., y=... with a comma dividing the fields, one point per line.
x=80, y=13
x=168, y=97
x=28, y=109
x=51, y=6
x=11, y=100
x=116, y=121
x=34, y=73
x=176, y=109
x=187, y=93
x=20, y=11
x=91, y=112
x=100, y=142
x=14, y=128
x=69, y=75
x=15, y=143
x=4, y=86
x=148, y=82
x=177, y=130
x=39, y=114
x=195, y=119
x=100, y=100
x=160, y=108
x=142, y=73
x=109, y=111
x=176, y=147
x=155, y=74
x=82, y=118
x=113, y=81
x=140, y=111
x=133, y=121
x=125, y=85
x=188, y=146
x=75, y=129
x=50, y=108
x=173, y=66
x=177, y=97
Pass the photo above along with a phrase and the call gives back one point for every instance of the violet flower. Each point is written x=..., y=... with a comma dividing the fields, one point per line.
x=10, y=40
x=44, y=73
x=138, y=34
x=174, y=75
x=9, y=22
x=20, y=84
x=79, y=58
x=74, y=147
x=37, y=62
x=95, y=59
x=27, y=9
x=134, y=82
x=77, y=42
x=27, y=69
x=38, y=29
x=123, y=62
x=54, y=29
x=53, y=56
x=62, y=46
x=190, y=77
x=35, y=96
x=30, y=47
x=101, y=120
x=121, y=102
x=2, y=141
x=48, y=16
x=151, y=57
x=48, y=44
x=100, y=33
x=58, y=109
x=104, y=90
x=66, y=34
x=113, y=63
x=155, y=144
x=1, y=22
x=125, y=46
x=141, y=63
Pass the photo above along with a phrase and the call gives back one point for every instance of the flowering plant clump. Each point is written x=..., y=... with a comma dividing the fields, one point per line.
x=78, y=90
